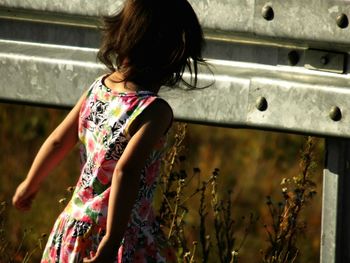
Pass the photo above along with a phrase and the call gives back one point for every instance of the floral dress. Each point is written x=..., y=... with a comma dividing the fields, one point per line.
x=105, y=116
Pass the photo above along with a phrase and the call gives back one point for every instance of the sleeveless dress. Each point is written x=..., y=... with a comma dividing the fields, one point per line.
x=104, y=119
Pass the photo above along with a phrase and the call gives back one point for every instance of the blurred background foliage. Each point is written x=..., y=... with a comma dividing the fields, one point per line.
x=251, y=165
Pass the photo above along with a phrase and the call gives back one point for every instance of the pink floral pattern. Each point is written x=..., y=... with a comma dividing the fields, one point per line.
x=103, y=131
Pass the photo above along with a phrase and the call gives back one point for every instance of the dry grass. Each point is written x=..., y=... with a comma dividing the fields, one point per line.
x=217, y=234
x=209, y=214
x=286, y=225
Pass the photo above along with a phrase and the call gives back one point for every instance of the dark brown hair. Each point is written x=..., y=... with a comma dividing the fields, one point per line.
x=153, y=41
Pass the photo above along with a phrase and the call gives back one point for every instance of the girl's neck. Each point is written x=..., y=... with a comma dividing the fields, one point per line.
x=115, y=81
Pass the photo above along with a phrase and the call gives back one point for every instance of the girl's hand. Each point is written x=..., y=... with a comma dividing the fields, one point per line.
x=106, y=252
x=24, y=196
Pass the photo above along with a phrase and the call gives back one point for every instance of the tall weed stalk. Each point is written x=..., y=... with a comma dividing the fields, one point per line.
x=179, y=188
x=286, y=223
x=18, y=253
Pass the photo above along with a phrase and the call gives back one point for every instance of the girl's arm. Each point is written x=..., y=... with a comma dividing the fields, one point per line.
x=54, y=149
x=126, y=177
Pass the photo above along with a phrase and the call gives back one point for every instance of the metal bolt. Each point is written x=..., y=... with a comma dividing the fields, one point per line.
x=261, y=104
x=335, y=113
x=324, y=60
x=342, y=21
x=267, y=12
x=293, y=58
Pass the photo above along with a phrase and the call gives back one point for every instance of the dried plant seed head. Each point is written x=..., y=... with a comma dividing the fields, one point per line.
x=70, y=189
x=234, y=253
x=284, y=181
x=62, y=200
x=183, y=174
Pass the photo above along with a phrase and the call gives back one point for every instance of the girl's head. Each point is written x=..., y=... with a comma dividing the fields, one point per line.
x=152, y=41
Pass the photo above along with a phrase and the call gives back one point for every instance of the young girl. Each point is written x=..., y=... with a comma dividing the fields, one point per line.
x=121, y=124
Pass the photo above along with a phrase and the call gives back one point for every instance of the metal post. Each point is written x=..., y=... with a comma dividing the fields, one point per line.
x=335, y=229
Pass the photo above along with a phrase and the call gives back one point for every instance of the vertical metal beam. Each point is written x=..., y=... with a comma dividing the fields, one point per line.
x=335, y=229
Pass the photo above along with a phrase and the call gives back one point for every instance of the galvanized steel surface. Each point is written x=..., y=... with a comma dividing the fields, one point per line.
x=298, y=100
x=82, y=7
x=335, y=230
x=45, y=74
x=54, y=33
x=263, y=84
x=223, y=14
x=313, y=20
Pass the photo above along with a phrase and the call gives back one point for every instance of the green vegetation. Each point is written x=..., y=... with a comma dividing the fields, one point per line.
x=225, y=195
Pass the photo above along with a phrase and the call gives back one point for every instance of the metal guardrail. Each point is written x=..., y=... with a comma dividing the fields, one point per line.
x=56, y=75
x=278, y=65
x=312, y=20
